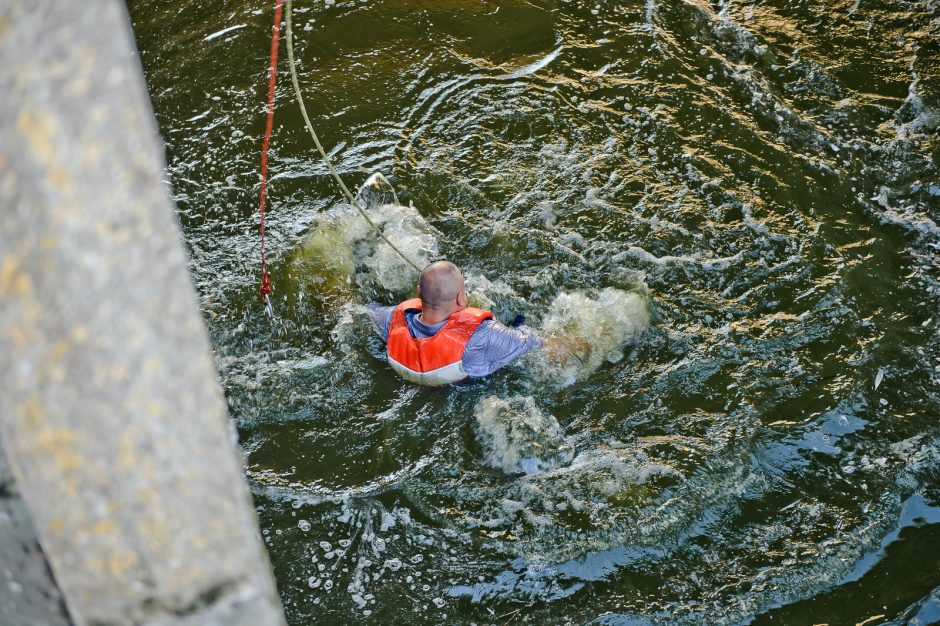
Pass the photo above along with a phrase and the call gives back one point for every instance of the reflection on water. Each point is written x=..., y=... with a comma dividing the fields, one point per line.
x=730, y=210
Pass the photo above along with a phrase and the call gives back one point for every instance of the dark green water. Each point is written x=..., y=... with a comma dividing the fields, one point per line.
x=769, y=168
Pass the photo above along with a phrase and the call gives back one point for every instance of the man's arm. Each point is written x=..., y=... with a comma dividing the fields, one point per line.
x=381, y=317
x=493, y=345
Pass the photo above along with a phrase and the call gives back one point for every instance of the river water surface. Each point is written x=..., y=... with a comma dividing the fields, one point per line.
x=729, y=208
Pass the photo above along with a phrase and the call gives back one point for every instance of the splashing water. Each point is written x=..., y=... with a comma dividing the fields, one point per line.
x=582, y=331
x=343, y=249
x=517, y=437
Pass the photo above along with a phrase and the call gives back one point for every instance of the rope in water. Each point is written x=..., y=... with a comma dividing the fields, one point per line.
x=316, y=140
x=272, y=75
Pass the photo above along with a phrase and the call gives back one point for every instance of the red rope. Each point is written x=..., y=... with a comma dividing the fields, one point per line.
x=272, y=75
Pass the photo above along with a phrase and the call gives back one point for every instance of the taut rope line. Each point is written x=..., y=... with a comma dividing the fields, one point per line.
x=316, y=140
x=272, y=75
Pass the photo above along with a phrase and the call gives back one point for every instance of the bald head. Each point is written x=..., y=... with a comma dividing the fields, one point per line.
x=439, y=286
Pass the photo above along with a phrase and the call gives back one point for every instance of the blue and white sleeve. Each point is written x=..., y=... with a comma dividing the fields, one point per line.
x=493, y=345
x=381, y=317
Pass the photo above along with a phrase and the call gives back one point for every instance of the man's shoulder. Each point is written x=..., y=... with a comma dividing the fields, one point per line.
x=471, y=320
x=483, y=330
x=477, y=313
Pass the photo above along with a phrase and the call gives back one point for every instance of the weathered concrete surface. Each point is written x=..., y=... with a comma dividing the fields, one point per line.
x=28, y=595
x=111, y=415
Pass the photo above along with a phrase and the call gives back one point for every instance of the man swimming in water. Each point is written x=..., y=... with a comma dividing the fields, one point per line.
x=436, y=339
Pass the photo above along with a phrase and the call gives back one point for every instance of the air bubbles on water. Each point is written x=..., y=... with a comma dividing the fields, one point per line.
x=388, y=521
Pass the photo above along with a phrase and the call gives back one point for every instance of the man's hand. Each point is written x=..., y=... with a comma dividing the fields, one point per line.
x=563, y=350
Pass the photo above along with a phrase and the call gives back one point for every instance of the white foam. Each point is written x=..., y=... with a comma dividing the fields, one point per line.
x=609, y=488
x=705, y=262
x=517, y=437
x=925, y=119
x=342, y=247
x=480, y=290
x=224, y=31
x=584, y=330
x=904, y=215
x=535, y=66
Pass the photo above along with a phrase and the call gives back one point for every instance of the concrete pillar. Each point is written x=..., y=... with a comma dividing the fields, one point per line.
x=111, y=415
x=28, y=595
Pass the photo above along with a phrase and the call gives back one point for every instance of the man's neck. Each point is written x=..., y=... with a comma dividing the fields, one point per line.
x=430, y=317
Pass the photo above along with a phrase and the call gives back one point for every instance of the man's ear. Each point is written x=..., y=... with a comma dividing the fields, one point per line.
x=418, y=291
x=462, y=298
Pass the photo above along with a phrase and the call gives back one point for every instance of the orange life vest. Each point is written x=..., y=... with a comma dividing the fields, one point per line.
x=435, y=360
